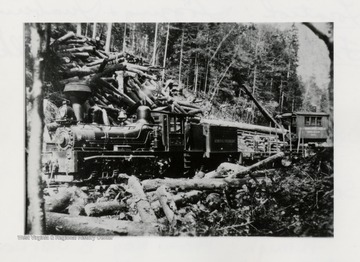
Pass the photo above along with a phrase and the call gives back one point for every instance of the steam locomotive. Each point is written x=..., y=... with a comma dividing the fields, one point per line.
x=171, y=143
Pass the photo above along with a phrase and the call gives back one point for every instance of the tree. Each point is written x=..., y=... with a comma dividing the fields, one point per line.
x=38, y=42
x=327, y=37
x=108, y=37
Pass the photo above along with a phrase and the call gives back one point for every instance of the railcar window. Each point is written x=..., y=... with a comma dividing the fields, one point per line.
x=318, y=121
x=172, y=124
x=313, y=121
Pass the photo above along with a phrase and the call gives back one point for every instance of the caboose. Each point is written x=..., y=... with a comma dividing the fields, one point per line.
x=306, y=129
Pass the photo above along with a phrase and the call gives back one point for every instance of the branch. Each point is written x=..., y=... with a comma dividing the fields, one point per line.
x=221, y=42
x=329, y=44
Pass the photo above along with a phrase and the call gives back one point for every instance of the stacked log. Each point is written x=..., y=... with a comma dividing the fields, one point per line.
x=119, y=81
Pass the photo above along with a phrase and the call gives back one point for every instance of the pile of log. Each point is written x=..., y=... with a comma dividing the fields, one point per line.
x=118, y=80
x=147, y=207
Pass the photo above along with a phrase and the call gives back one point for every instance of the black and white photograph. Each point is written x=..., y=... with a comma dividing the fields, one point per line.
x=185, y=129
x=179, y=130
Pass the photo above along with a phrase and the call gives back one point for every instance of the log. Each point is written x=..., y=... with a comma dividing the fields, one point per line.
x=257, y=165
x=180, y=199
x=177, y=106
x=69, y=35
x=195, y=111
x=225, y=169
x=76, y=208
x=81, y=49
x=244, y=126
x=84, y=71
x=111, y=88
x=115, y=100
x=102, y=65
x=68, y=80
x=187, y=184
x=165, y=198
x=76, y=54
x=99, y=54
x=109, y=70
x=104, y=208
x=62, y=224
x=143, y=206
x=60, y=201
x=141, y=73
x=260, y=107
x=111, y=58
x=80, y=54
x=137, y=90
x=138, y=67
x=76, y=41
x=102, y=99
x=79, y=200
x=120, y=80
x=98, y=102
x=187, y=105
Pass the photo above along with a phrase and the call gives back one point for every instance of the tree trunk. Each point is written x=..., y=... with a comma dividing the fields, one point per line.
x=257, y=165
x=165, y=197
x=329, y=42
x=165, y=52
x=218, y=83
x=213, y=56
x=94, y=31
x=124, y=39
x=35, y=208
x=108, y=38
x=86, y=29
x=62, y=224
x=181, y=54
x=198, y=184
x=133, y=44
x=78, y=29
x=196, y=74
x=143, y=206
x=155, y=43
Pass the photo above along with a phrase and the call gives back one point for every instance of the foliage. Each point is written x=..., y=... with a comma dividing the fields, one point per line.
x=296, y=201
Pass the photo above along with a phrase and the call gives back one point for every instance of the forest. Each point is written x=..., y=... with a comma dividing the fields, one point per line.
x=209, y=64
x=212, y=60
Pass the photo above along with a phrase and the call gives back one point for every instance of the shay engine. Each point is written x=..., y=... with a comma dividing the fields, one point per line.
x=155, y=143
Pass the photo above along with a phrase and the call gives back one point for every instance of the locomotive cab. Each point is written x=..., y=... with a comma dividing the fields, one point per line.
x=172, y=128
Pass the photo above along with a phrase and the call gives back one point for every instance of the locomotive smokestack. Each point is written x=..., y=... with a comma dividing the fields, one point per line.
x=144, y=114
x=78, y=93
